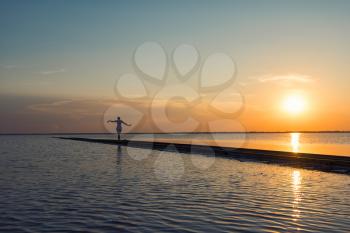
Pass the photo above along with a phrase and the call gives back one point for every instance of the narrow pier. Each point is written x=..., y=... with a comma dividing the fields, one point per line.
x=329, y=163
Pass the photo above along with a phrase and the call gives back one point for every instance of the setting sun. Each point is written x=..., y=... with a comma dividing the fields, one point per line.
x=294, y=104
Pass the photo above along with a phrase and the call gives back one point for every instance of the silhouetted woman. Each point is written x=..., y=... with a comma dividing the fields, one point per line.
x=119, y=128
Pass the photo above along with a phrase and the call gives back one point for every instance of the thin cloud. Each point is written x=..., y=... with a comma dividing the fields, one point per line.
x=31, y=69
x=48, y=106
x=50, y=72
x=8, y=66
x=73, y=107
x=289, y=77
x=285, y=80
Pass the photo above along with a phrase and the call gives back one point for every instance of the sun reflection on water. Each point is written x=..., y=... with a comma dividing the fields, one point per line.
x=296, y=185
x=294, y=142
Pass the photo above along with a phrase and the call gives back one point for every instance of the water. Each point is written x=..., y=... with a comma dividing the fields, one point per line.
x=52, y=185
x=318, y=143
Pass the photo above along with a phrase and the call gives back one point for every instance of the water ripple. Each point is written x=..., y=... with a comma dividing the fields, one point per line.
x=50, y=185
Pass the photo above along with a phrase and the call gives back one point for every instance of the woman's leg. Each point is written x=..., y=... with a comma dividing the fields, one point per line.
x=119, y=131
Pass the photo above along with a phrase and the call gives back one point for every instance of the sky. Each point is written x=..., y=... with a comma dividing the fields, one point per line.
x=60, y=63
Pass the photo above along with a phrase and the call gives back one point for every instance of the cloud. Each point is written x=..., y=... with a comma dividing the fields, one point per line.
x=301, y=78
x=50, y=72
x=8, y=66
x=43, y=107
x=72, y=108
x=31, y=69
x=284, y=79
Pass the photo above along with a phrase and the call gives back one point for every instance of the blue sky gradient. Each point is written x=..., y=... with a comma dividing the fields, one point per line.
x=75, y=49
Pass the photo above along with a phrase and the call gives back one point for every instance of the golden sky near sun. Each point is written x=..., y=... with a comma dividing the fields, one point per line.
x=58, y=71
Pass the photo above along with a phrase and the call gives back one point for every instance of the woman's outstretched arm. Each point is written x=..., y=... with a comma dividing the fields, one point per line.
x=126, y=123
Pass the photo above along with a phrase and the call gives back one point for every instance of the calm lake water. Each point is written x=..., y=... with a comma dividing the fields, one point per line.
x=319, y=143
x=53, y=185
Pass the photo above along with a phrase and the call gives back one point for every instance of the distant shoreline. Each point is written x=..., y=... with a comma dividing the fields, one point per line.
x=248, y=132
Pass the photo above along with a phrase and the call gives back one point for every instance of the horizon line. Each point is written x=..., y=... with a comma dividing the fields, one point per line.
x=203, y=132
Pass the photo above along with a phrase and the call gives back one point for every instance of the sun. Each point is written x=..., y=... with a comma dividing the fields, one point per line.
x=294, y=104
